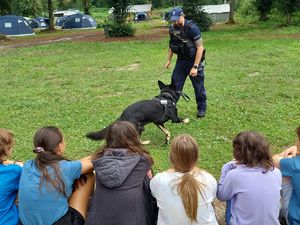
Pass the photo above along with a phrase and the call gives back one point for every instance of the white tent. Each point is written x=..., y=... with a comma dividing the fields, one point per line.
x=140, y=8
x=62, y=13
x=217, y=13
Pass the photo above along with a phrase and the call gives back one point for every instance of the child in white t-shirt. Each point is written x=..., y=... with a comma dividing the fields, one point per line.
x=184, y=193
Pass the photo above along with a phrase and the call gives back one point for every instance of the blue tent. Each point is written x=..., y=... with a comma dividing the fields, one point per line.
x=39, y=23
x=12, y=25
x=79, y=21
x=60, y=21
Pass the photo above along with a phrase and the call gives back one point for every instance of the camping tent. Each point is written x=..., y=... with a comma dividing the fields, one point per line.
x=39, y=23
x=68, y=12
x=11, y=25
x=60, y=21
x=139, y=8
x=217, y=13
x=141, y=16
x=79, y=21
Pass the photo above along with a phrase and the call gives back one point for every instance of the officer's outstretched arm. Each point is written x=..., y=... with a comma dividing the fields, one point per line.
x=170, y=55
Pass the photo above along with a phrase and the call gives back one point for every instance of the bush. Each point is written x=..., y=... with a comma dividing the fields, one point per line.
x=119, y=30
x=247, y=8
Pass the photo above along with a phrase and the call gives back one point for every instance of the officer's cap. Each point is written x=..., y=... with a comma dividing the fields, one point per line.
x=176, y=13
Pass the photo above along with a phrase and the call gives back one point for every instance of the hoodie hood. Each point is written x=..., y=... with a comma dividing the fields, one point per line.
x=114, y=167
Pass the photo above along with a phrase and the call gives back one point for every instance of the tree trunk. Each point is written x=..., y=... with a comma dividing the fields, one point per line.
x=231, y=13
x=263, y=16
x=51, y=17
x=289, y=19
x=86, y=7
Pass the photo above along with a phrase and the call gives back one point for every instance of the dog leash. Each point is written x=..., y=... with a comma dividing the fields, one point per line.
x=184, y=96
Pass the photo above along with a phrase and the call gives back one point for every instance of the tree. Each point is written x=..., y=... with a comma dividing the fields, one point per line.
x=288, y=7
x=50, y=13
x=193, y=11
x=31, y=8
x=86, y=7
x=139, y=2
x=157, y=4
x=263, y=7
x=231, y=13
x=119, y=28
x=120, y=10
x=5, y=7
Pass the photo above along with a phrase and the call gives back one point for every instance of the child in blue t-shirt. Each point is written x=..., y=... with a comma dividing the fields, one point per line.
x=10, y=172
x=288, y=162
x=46, y=193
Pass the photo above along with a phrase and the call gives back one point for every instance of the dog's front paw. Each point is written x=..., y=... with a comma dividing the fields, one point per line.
x=186, y=120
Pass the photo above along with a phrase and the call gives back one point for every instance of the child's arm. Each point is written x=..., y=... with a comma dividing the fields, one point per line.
x=293, y=151
x=6, y=162
x=287, y=153
x=225, y=185
x=87, y=166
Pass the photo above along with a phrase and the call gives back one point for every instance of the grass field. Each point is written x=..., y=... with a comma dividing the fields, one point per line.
x=252, y=81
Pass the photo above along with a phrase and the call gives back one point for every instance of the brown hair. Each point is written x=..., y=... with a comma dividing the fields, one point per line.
x=184, y=154
x=46, y=141
x=6, y=143
x=252, y=149
x=123, y=134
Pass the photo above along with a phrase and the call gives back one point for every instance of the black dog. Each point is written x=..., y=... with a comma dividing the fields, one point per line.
x=158, y=111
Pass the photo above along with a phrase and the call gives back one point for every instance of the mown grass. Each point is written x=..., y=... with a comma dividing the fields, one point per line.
x=252, y=82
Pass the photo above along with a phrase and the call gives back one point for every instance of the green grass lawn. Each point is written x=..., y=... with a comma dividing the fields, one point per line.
x=252, y=81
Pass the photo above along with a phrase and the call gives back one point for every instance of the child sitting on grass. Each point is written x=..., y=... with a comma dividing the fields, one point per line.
x=288, y=162
x=185, y=192
x=10, y=172
x=121, y=167
x=251, y=182
x=46, y=195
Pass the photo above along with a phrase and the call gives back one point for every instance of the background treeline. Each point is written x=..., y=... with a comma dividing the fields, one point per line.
x=40, y=7
x=261, y=9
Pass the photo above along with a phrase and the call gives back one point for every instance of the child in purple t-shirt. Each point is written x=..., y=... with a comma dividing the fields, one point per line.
x=9, y=181
x=251, y=182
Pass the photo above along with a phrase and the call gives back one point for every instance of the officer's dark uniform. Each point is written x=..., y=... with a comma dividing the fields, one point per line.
x=185, y=61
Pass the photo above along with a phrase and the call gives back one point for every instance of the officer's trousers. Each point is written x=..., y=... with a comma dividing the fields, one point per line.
x=181, y=72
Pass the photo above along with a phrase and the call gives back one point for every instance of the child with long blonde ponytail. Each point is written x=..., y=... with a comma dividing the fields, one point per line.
x=184, y=193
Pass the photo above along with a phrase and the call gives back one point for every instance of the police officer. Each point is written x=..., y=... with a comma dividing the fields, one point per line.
x=186, y=42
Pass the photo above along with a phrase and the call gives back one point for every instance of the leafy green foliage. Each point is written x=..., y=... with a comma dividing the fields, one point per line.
x=5, y=7
x=192, y=10
x=157, y=4
x=120, y=10
x=119, y=30
x=29, y=8
x=264, y=7
x=288, y=7
x=247, y=8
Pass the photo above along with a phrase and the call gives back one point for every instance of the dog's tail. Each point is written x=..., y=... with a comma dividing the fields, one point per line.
x=97, y=135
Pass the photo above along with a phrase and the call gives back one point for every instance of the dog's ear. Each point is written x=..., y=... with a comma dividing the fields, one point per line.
x=161, y=85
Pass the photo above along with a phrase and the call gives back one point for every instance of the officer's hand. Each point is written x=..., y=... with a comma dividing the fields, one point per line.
x=193, y=72
x=167, y=64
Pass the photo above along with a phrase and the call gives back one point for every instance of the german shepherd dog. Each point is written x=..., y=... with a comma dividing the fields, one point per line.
x=158, y=111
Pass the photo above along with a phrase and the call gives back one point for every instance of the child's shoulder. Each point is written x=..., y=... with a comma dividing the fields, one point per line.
x=11, y=169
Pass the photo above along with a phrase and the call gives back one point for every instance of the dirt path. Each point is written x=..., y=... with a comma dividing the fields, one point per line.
x=80, y=36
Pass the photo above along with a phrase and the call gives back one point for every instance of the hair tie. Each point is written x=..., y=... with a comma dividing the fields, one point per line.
x=38, y=150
